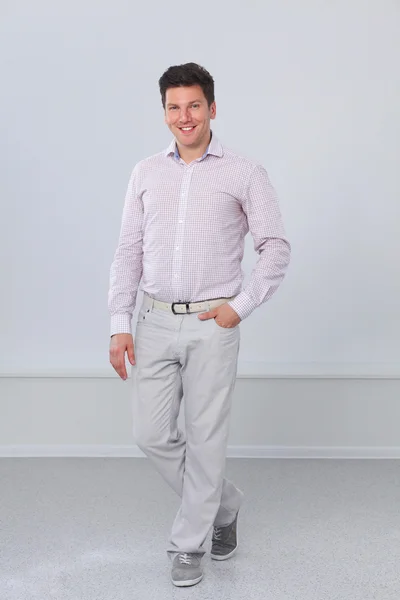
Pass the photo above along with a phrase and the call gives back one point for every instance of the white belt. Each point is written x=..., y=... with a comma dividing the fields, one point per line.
x=187, y=307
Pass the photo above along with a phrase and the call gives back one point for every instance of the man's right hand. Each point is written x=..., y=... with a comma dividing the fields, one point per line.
x=119, y=344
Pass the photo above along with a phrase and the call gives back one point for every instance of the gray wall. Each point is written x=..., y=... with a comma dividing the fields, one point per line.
x=309, y=89
x=289, y=417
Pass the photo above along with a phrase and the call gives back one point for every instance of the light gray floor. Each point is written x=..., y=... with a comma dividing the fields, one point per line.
x=96, y=529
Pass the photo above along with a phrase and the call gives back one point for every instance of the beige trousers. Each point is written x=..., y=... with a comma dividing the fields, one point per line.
x=180, y=356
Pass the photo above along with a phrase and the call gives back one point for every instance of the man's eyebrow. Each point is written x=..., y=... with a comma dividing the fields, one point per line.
x=175, y=104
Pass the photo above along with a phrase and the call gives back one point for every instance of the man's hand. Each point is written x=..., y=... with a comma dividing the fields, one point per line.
x=119, y=344
x=224, y=316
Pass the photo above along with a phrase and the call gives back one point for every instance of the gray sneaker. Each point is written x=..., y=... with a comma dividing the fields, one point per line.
x=224, y=541
x=186, y=570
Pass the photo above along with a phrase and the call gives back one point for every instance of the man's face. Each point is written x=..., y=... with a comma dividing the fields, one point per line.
x=188, y=115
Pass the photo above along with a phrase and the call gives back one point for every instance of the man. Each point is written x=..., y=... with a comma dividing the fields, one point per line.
x=187, y=211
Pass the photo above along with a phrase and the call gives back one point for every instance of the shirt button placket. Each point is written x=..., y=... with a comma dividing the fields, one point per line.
x=177, y=259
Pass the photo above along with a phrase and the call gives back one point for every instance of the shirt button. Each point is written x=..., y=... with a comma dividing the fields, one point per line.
x=177, y=247
x=181, y=221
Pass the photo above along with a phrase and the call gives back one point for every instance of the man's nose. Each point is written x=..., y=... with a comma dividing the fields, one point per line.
x=184, y=117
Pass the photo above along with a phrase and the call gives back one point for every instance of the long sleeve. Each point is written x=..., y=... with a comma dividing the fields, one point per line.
x=126, y=269
x=270, y=242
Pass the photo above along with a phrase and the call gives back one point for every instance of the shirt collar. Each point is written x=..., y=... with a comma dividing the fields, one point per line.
x=214, y=147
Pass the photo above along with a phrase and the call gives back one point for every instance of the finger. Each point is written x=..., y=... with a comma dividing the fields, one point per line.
x=131, y=354
x=122, y=371
x=118, y=362
x=208, y=315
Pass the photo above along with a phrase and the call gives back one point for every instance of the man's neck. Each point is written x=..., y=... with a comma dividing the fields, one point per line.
x=190, y=154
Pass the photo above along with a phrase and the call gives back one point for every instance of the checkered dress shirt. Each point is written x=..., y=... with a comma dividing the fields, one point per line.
x=183, y=229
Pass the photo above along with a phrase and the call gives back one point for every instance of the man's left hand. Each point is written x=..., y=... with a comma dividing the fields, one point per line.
x=224, y=316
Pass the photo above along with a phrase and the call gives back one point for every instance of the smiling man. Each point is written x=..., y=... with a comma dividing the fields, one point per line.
x=188, y=114
x=186, y=214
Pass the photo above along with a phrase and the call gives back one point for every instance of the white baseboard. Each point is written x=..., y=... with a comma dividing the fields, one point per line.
x=114, y=451
x=246, y=370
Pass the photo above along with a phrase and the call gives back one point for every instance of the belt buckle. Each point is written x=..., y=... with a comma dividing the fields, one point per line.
x=187, y=307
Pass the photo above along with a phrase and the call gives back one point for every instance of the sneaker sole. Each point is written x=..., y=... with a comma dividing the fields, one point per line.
x=187, y=582
x=225, y=556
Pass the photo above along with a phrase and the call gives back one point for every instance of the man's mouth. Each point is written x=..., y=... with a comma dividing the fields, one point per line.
x=187, y=130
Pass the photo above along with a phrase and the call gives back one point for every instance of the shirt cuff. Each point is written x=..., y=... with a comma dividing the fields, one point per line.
x=121, y=323
x=242, y=305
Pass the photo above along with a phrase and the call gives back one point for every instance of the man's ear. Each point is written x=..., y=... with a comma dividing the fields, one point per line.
x=213, y=109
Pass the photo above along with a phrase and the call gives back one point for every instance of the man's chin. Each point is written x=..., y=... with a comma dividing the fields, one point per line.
x=186, y=139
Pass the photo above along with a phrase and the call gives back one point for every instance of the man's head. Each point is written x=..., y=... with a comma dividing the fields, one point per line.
x=187, y=94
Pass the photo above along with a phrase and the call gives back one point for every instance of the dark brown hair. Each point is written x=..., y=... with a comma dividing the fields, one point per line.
x=187, y=75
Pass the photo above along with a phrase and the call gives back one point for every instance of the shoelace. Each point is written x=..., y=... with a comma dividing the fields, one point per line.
x=185, y=559
x=217, y=533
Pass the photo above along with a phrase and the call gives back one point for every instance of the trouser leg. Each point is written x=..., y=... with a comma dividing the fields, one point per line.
x=206, y=377
x=157, y=395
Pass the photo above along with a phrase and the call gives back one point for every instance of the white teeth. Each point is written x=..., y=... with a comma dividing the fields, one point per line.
x=187, y=128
